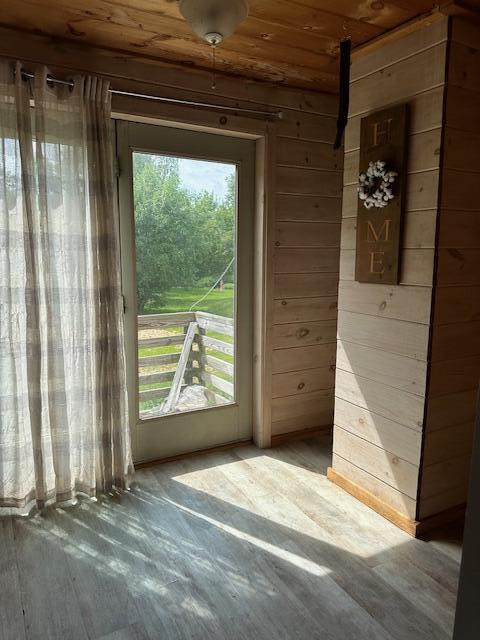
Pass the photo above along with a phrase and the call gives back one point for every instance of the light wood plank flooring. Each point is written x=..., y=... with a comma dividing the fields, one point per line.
x=241, y=544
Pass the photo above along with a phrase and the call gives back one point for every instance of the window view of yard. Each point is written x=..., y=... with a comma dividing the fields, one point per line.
x=185, y=241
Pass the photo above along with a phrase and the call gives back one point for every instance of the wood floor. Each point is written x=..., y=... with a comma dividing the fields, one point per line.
x=242, y=544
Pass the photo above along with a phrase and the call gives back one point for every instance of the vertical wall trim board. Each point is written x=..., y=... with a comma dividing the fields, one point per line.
x=435, y=265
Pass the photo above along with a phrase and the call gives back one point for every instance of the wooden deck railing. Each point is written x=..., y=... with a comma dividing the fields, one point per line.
x=196, y=348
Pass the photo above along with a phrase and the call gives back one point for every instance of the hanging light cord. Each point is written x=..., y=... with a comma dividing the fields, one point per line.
x=214, y=80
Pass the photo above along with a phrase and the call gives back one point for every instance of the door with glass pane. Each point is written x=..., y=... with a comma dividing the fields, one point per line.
x=186, y=202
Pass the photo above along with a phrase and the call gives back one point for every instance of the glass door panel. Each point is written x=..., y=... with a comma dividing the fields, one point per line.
x=185, y=242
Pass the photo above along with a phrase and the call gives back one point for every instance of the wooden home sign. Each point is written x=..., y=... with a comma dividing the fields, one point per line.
x=379, y=224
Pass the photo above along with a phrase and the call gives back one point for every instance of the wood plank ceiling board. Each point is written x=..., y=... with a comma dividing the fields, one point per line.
x=292, y=42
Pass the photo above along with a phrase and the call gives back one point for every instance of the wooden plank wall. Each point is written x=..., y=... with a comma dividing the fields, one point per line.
x=383, y=331
x=455, y=352
x=306, y=264
x=302, y=178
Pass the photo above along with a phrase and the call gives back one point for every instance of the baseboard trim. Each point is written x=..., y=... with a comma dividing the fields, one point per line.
x=415, y=528
x=284, y=438
x=382, y=508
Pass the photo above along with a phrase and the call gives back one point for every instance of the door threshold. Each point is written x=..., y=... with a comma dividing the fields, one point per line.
x=191, y=454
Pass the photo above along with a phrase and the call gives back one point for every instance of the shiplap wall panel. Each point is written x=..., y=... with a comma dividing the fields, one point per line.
x=301, y=358
x=416, y=266
x=454, y=375
x=399, y=372
x=304, y=333
x=307, y=259
x=459, y=229
x=384, y=331
x=303, y=285
x=409, y=46
x=299, y=382
x=323, y=235
x=306, y=266
x=425, y=114
x=451, y=442
x=390, y=469
x=382, y=491
x=400, y=303
x=306, y=309
x=449, y=409
x=423, y=155
x=457, y=304
x=455, y=349
x=392, y=336
x=389, y=402
x=311, y=155
x=378, y=430
x=307, y=208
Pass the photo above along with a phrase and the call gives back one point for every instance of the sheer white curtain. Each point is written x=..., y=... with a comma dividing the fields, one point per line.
x=63, y=408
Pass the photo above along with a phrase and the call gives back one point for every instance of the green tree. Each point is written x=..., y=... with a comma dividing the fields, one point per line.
x=183, y=239
x=163, y=226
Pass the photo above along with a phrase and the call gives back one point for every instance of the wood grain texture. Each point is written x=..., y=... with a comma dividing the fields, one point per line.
x=419, y=228
x=382, y=432
x=314, y=402
x=405, y=78
x=416, y=266
x=399, y=406
x=305, y=309
x=308, y=208
x=411, y=304
x=397, y=371
x=450, y=409
x=300, y=382
x=293, y=285
x=393, y=336
x=370, y=485
x=307, y=234
x=448, y=443
x=390, y=469
x=457, y=304
x=426, y=113
x=300, y=358
x=456, y=375
x=304, y=333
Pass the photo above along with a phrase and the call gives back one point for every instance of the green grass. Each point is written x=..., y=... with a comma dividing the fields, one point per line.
x=179, y=299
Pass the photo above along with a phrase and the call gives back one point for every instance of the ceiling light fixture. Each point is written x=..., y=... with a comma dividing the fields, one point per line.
x=214, y=20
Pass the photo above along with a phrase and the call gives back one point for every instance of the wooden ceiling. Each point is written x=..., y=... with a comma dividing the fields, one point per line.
x=285, y=41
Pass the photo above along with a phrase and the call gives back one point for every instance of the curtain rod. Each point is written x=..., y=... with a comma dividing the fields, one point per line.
x=188, y=103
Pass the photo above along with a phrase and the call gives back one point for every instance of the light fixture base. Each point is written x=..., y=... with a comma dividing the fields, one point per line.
x=213, y=37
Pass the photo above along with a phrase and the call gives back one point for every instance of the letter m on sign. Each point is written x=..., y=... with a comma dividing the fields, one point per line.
x=379, y=233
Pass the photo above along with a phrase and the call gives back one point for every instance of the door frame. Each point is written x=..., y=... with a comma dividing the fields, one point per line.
x=263, y=132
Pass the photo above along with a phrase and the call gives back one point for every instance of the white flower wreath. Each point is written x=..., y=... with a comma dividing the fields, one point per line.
x=375, y=185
